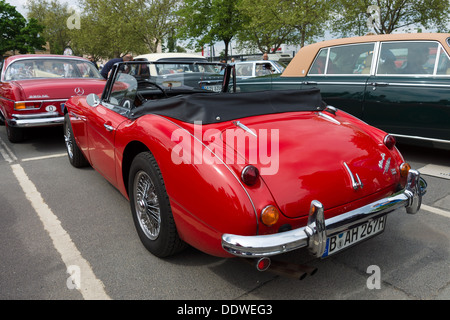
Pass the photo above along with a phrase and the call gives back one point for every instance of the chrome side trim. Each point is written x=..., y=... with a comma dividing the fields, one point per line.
x=314, y=234
x=42, y=100
x=244, y=127
x=355, y=184
x=420, y=138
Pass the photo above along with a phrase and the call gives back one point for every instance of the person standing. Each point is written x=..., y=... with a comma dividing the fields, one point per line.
x=91, y=59
x=108, y=66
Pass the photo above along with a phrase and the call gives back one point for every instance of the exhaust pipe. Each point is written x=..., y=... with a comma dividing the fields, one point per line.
x=297, y=271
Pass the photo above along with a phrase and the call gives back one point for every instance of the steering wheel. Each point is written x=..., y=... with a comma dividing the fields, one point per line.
x=153, y=84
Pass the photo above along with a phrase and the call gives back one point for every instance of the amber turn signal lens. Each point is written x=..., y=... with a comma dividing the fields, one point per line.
x=20, y=106
x=270, y=215
x=404, y=169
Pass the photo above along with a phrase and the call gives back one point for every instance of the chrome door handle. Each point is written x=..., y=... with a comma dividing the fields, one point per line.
x=108, y=127
x=379, y=84
x=313, y=83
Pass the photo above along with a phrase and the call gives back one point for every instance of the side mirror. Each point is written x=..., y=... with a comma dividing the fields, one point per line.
x=93, y=100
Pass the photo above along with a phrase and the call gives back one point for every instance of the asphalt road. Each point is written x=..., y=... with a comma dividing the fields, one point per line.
x=66, y=233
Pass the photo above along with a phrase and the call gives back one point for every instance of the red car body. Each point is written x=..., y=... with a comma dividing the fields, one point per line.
x=319, y=170
x=34, y=88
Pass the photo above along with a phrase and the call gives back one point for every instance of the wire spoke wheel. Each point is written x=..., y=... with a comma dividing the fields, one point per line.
x=68, y=141
x=147, y=206
x=150, y=207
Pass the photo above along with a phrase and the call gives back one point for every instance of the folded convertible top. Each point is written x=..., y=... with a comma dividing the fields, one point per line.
x=219, y=107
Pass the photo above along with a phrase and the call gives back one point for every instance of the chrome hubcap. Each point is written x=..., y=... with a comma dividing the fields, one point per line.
x=147, y=205
x=68, y=141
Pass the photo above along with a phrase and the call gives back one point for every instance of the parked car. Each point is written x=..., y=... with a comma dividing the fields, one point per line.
x=399, y=83
x=34, y=88
x=171, y=66
x=239, y=174
x=250, y=69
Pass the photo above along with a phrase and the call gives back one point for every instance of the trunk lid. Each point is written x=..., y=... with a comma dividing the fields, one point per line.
x=312, y=156
x=57, y=89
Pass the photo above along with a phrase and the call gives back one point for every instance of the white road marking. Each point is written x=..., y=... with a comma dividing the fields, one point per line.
x=90, y=287
x=436, y=171
x=56, y=155
x=6, y=152
x=436, y=210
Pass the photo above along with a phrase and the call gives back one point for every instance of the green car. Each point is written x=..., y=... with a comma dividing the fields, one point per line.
x=399, y=82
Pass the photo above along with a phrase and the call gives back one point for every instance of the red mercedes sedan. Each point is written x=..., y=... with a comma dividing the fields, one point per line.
x=34, y=88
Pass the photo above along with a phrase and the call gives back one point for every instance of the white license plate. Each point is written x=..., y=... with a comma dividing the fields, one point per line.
x=340, y=241
x=217, y=88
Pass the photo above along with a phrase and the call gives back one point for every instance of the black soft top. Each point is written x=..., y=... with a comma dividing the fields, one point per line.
x=219, y=107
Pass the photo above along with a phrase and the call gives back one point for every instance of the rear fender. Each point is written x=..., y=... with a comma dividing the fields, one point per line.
x=207, y=200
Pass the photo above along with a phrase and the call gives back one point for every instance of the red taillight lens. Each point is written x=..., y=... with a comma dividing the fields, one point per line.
x=250, y=175
x=263, y=264
x=389, y=141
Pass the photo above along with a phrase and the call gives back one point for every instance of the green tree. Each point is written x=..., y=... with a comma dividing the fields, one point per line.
x=308, y=17
x=53, y=16
x=16, y=33
x=262, y=29
x=210, y=21
x=358, y=17
x=110, y=28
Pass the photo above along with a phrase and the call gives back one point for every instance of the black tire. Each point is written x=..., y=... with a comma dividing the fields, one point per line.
x=74, y=153
x=151, y=209
x=15, y=134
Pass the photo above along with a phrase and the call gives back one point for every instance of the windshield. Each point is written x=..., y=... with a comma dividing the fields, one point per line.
x=203, y=76
x=51, y=68
x=135, y=83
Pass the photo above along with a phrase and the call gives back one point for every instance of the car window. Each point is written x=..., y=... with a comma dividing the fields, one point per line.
x=408, y=58
x=123, y=92
x=279, y=66
x=443, y=64
x=263, y=69
x=50, y=68
x=320, y=63
x=244, y=69
x=344, y=60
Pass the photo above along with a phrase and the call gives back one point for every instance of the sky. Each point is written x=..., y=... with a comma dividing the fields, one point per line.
x=19, y=4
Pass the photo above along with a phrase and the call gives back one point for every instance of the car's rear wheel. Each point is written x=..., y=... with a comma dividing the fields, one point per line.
x=74, y=153
x=14, y=134
x=151, y=209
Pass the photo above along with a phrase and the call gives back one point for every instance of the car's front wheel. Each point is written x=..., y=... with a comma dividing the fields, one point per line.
x=74, y=153
x=151, y=209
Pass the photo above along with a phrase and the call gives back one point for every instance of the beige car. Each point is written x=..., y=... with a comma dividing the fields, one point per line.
x=399, y=83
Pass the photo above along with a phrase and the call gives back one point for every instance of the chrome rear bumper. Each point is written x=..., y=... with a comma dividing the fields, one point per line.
x=314, y=234
x=36, y=120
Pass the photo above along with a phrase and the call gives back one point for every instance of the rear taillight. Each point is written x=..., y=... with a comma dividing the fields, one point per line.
x=250, y=175
x=389, y=141
x=27, y=105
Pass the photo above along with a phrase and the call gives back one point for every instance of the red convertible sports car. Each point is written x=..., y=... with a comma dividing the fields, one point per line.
x=34, y=88
x=251, y=174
